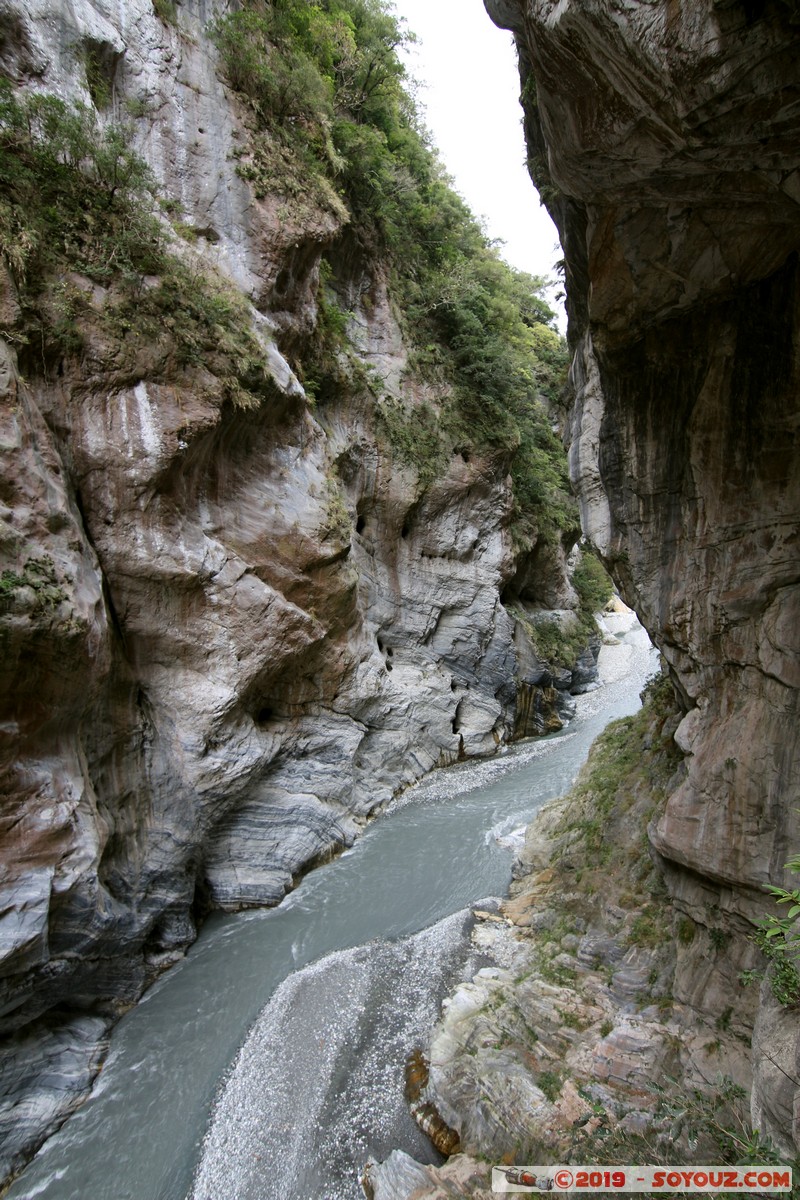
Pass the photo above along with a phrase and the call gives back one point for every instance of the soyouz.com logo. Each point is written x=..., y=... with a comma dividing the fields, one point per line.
x=641, y=1179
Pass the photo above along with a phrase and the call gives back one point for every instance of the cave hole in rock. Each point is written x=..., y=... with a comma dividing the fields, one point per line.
x=404, y=532
x=100, y=63
x=360, y=524
x=159, y=939
x=15, y=47
x=202, y=903
x=386, y=652
x=282, y=282
x=264, y=715
x=753, y=11
x=111, y=868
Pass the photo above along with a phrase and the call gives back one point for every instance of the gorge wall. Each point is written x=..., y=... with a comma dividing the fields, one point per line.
x=234, y=621
x=665, y=140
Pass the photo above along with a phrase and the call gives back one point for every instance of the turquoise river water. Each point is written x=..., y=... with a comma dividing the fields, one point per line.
x=268, y=1065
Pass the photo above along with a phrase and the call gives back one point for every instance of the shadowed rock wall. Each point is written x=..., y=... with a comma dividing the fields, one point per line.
x=665, y=140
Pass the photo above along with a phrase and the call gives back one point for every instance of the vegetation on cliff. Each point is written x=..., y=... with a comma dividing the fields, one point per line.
x=334, y=126
x=586, y=1005
x=77, y=206
x=779, y=940
x=561, y=643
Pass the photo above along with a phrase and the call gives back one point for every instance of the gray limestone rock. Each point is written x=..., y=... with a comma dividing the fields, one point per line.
x=774, y=1107
x=238, y=632
x=45, y=1075
x=665, y=141
x=397, y=1177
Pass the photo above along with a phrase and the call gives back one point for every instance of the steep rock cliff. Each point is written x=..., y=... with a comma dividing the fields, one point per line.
x=233, y=623
x=664, y=139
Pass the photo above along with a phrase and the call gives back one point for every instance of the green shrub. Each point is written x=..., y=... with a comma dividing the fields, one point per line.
x=784, y=979
x=686, y=931
x=549, y=1082
x=616, y=766
x=77, y=198
x=646, y=929
x=166, y=11
x=334, y=127
x=719, y=938
x=592, y=582
x=39, y=574
x=415, y=437
x=73, y=195
x=558, y=645
x=779, y=940
x=98, y=81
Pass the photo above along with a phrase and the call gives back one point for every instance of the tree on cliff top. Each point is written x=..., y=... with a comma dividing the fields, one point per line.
x=333, y=120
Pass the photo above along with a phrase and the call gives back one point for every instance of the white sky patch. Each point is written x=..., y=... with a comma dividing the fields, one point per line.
x=469, y=97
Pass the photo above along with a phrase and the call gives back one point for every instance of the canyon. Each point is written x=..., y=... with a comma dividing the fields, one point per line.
x=236, y=619
x=238, y=616
x=679, y=170
x=663, y=138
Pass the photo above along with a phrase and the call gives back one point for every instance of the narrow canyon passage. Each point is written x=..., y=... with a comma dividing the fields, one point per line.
x=355, y=961
x=306, y=496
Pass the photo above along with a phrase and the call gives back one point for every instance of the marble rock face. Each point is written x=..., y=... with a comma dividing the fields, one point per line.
x=232, y=634
x=665, y=139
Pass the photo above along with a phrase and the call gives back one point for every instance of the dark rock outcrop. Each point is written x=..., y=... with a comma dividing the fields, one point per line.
x=665, y=140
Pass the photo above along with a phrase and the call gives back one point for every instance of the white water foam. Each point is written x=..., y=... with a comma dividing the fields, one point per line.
x=317, y=1087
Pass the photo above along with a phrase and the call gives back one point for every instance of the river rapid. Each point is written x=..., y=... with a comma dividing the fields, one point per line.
x=268, y=1064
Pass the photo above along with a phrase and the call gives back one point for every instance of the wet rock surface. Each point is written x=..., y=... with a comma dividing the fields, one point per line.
x=401, y=1178
x=45, y=1074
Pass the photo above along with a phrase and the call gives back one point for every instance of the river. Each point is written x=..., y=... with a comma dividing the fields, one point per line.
x=268, y=1064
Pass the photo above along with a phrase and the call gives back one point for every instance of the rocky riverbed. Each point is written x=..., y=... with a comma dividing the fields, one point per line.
x=580, y=1039
x=362, y=953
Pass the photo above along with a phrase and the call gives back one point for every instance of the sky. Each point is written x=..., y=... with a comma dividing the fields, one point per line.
x=469, y=95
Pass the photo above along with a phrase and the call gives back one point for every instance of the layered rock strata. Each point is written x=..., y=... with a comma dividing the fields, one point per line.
x=664, y=139
x=229, y=634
